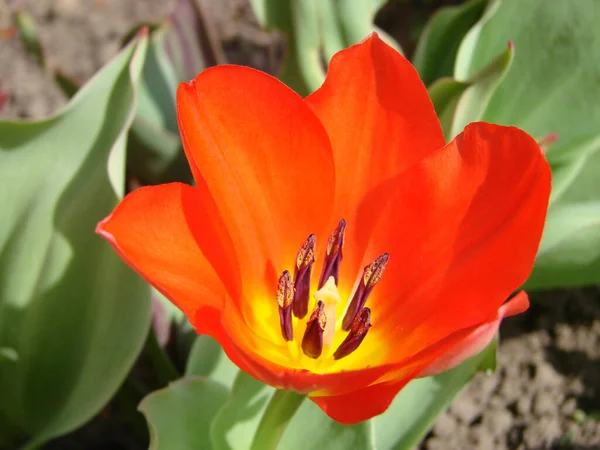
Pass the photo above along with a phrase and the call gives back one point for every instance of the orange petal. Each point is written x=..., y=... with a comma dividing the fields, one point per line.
x=478, y=339
x=462, y=230
x=260, y=153
x=369, y=400
x=380, y=121
x=362, y=404
x=150, y=229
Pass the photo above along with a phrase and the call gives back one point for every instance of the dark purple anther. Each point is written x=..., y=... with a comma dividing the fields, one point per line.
x=358, y=331
x=285, y=297
x=333, y=255
x=312, y=342
x=302, y=274
x=371, y=276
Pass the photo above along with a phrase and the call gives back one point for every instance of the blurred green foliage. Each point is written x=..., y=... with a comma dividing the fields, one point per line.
x=73, y=314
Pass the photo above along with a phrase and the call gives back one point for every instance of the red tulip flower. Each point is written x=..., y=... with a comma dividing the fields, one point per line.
x=335, y=245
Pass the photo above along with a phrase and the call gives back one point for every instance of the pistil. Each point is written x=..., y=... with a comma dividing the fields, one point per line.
x=330, y=297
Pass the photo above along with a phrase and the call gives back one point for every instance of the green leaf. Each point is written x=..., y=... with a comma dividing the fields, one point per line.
x=445, y=94
x=316, y=30
x=569, y=254
x=76, y=315
x=458, y=103
x=27, y=29
x=553, y=84
x=208, y=359
x=438, y=45
x=416, y=407
x=179, y=49
x=67, y=84
x=239, y=418
x=474, y=100
x=179, y=415
x=155, y=146
x=325, y=433
x=466, y=48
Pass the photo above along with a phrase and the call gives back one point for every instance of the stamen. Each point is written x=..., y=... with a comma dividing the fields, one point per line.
x=312, y=342
x=285, y=297
x=302, y=273
x=333, y=255
x=358, y=330
x=371, y=276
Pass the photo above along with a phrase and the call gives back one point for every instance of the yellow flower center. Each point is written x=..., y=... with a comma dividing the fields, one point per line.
x=322, y=339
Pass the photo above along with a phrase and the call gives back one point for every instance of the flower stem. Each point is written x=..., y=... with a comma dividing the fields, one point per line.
x=279, y=412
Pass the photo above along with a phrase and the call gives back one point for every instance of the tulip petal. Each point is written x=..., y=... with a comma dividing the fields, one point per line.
x=380, y=121
x=478, y=339
x=462, y=229
x=354, y=405
x=150, y=229
x=362, y=404
x=260, y=153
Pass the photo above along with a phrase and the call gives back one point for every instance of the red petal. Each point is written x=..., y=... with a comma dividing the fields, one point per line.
x=262, y=155
x=150, y=229
x=362, y=404
x=462, y=230
x=369, y=400
x=380, y=121
x=478, y=339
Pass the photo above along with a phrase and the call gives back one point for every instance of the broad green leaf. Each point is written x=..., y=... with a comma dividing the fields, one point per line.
x=207, y=359
x=553, y=84
x=179, y=416
x=416, y=407
x=569, y=254
x=575, y=172
x=438, y=44
x=238, y=420
x=75, y=314
x=312, y=428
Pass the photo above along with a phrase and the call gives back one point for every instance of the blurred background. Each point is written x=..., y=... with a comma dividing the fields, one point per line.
x=545, y=393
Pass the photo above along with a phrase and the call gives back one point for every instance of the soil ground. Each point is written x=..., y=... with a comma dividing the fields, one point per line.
x=546, y=391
